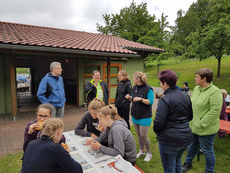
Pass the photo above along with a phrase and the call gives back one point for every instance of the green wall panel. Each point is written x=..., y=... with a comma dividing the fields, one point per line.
x=133, y=65
x=2, y=88
x=5, y=87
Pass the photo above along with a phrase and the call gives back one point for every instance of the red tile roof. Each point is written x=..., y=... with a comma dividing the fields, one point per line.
x=20, y=34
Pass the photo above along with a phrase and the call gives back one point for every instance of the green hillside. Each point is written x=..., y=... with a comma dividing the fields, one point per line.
x=187, y=68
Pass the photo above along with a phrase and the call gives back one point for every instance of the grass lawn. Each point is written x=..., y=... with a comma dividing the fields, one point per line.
x=187, y=68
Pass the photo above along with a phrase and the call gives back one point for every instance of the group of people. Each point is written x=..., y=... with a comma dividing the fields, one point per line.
x=181, y=123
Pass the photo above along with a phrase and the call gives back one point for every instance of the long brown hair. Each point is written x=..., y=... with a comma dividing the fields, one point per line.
x=141, y=76
x=111, y=111
x=124, y=73
x=96, y=104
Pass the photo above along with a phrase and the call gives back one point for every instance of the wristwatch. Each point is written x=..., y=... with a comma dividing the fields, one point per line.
x=141, y=99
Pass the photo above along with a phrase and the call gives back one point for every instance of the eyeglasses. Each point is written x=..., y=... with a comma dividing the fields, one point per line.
x=43, y=116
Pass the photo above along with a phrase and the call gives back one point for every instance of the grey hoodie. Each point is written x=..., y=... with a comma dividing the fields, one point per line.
x=120, y=141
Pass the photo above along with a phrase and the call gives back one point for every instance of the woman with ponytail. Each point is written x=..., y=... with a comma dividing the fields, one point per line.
x=120, y=139
x=90, y=120
x=141, y=112
x=46, y=155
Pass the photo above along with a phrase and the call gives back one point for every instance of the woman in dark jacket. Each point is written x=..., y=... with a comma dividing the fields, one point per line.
x=141, y=112
x=33, y=128
x=124, y=87
x=171, y=124
x=45, y=155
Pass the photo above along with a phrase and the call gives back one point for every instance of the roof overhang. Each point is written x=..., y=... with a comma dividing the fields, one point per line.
x=66, y=51
x=144, y=50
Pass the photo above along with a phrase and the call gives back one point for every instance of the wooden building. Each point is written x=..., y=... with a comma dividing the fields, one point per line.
x=80, y=53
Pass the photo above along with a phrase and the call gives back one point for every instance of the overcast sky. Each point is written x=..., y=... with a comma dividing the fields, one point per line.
x=80, y=15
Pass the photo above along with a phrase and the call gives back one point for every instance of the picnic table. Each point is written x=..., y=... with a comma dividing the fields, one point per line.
x=225, y=125
x=95, y=161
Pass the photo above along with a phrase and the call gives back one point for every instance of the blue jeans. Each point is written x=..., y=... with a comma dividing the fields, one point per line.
x=58, y=112
x=171, y=158
x=205, y=143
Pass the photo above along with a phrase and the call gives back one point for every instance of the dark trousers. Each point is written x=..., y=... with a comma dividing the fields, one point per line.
x=171, y=158
x=124, y=113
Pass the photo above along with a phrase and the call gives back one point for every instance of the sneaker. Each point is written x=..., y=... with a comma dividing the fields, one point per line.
x=148, y=157
x=186, y=167
x=141, y=153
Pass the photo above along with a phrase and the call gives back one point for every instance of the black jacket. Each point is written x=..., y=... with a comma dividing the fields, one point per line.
x=123, y=88
x=44, y=156
x=91, y=92
x=90, y=123
x=171, y=124
x=140, y=110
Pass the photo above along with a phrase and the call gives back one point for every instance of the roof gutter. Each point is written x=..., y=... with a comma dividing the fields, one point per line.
x=144, y=50
x=65, y=50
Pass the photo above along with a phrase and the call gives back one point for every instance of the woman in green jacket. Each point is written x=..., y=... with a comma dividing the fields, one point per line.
x=206, y=103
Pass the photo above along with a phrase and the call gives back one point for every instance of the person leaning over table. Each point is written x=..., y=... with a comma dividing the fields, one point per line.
x=206, y=103
x=45, y=155
x=171, y=124
x=90, y=120
x=33, y=128
x=141, y=112
x=120, y=139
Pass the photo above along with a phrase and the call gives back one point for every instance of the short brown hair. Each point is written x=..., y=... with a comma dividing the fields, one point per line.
x=96, y=104
x=207, y=73
x=46, y=106
x=95, y=71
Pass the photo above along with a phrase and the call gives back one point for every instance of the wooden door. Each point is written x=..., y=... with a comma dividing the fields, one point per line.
x=114, y=69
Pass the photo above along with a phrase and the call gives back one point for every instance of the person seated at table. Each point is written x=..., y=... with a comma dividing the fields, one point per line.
x=90, y=120
x=45, y=155
x=33, y=128
x=223, y=114
x=120, y=139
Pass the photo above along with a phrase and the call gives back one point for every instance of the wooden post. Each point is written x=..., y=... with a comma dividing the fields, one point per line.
x=108, y=76
x=77, y=83
x=13, y=85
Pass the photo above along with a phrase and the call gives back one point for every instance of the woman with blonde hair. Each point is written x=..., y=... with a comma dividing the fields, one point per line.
x=45, y=155
x=124, y=87
x=141, y=112
x=120, y=139
x=90, y=120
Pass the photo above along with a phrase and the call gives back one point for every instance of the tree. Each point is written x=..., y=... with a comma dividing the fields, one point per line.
x=212, y=30
x=136, y=24
x=131, y=23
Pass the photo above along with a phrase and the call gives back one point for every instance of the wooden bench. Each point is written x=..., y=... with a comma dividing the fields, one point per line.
x=225, y=125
